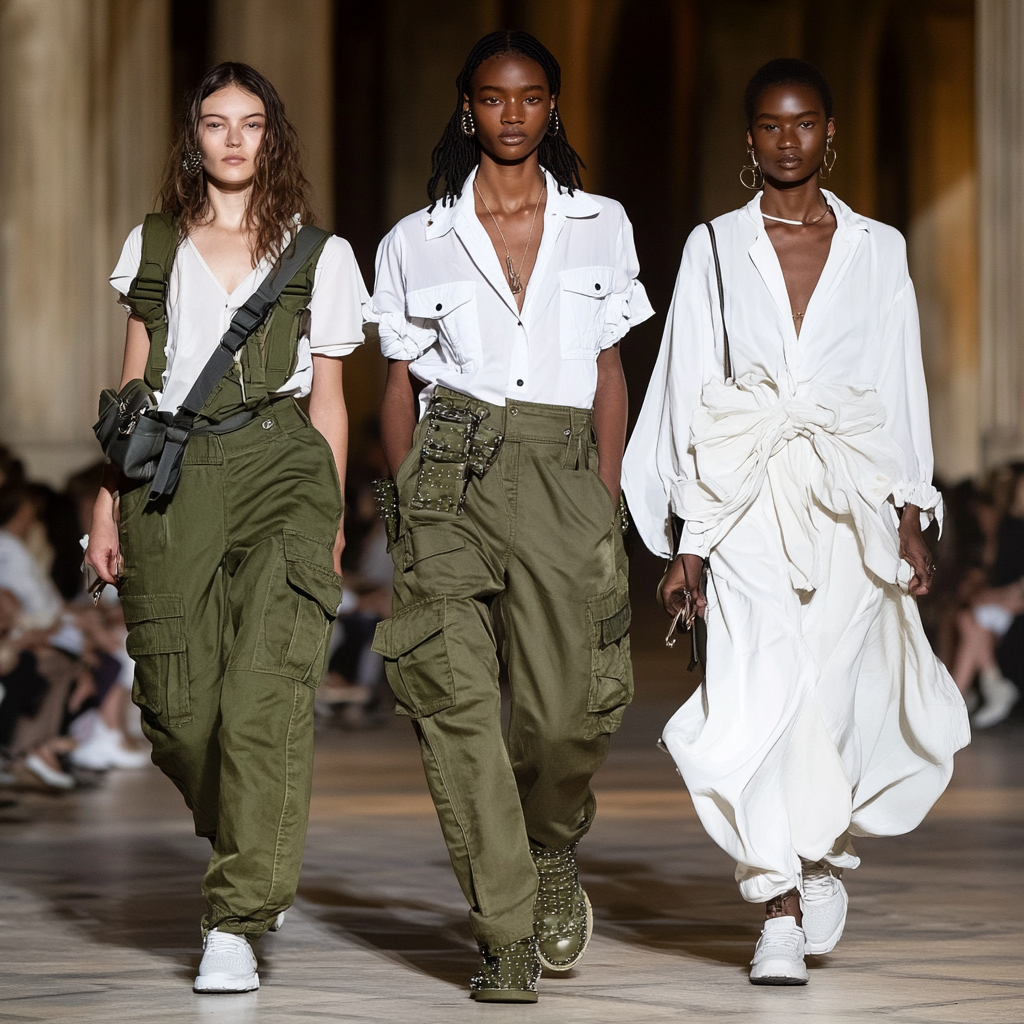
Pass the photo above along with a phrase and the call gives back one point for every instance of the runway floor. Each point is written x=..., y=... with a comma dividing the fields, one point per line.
x=99, y=905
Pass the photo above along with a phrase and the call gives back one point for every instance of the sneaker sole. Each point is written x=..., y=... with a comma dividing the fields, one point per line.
x=551, y=966
x=503, y=995
x=821, y=948
x=778, y=981
x=218, y=984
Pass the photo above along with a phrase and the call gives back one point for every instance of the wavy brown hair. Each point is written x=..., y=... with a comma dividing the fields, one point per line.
x=279, y=188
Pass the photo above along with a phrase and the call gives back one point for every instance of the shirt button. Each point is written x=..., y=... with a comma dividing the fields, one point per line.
x=438, y=307
x=519, y=323
x=267, y=424
x=597, y=287
x=519, y=383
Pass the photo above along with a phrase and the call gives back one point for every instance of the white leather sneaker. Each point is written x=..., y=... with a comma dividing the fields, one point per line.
x=228, y=965
x=824, y=903
x=779, y=956
x=998, y=695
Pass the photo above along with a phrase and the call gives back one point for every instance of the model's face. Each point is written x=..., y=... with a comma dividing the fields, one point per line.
x=231, y=127
x=789, y=133
x=511, y=104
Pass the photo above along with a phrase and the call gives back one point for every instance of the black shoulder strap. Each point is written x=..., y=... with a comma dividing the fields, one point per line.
x=721, y=301
x=148, y=292
x=244, y=322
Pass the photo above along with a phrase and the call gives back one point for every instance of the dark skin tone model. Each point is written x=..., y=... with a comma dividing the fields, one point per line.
x=789, y=135
x=511, y=102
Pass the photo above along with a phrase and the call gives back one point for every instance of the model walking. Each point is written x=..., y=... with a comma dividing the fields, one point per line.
x=803, y=476
x=231, y=585
x=507, y=298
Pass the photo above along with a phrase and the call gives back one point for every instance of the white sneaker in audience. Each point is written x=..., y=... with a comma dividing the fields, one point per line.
x=104, y=749
x=41, y=770
x=278, y=922
x=779, y=956
x=998, y=695
x=824, y=903
x=228, y=965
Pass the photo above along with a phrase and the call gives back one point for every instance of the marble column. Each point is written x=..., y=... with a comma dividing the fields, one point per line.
x=292, y=44
x=1000, y=127
x=84, y=93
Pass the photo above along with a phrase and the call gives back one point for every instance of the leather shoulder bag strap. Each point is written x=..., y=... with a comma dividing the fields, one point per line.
x=148, y=292
x=727, y=361
x=243, y=323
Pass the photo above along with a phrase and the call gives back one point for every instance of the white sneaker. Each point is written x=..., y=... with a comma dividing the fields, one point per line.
x=103, y=749
x=228, y=965
x=41, y=770
x=998, y=697
x=824, y=903
x=779, y=956
x=278, y=922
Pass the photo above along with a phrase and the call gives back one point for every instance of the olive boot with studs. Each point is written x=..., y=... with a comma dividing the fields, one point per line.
x=562, y=917
x=508, y=974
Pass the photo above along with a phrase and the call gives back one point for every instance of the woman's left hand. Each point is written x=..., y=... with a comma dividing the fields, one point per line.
x=914, y=550
x=339, y=546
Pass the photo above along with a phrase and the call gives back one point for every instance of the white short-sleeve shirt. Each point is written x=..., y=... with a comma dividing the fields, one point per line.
x=199, y=312
x=442, y=300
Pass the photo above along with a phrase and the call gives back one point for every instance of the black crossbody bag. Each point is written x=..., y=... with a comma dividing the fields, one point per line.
x=688, y=621
x=146, y=444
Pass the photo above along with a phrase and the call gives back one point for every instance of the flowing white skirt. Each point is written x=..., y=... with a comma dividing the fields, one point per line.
x=824, y=715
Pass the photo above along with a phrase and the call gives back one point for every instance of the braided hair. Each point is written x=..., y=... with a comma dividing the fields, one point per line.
x=457, y=153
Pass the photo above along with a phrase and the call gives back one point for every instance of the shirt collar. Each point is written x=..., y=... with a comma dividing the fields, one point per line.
x=846, y=220
x=559, y=203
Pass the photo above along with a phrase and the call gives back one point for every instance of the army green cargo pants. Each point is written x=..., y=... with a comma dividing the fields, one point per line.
x=229, y=596
x=538, y=553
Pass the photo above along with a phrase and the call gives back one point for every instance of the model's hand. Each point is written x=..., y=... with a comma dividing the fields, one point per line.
x=683, y=575
x=914, y=550
x=339, y=546
x=104, y=550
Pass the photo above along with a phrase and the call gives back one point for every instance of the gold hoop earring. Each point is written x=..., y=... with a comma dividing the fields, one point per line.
x=192, y=162
x=468, y=124
x=554, y=124
x=756, y=176
x=826, y=164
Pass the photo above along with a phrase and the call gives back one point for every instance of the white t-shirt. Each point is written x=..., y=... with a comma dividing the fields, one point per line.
x=22, y=575
x=199, y=311
x=442, y=300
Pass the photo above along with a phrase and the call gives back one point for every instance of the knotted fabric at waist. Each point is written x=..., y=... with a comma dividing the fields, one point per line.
x=823, y=446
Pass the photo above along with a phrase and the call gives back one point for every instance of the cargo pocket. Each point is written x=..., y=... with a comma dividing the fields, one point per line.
x=156, y=643
x=611, y=671
x=311, y=577
x=424, y=542
x=415, y=654
x=452, y=308
x=581, y=317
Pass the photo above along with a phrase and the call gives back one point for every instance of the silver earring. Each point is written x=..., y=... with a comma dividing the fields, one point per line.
x=756, y=177
x=468, y=124
x=554, y=124
x=192, y=162
x=826, y=164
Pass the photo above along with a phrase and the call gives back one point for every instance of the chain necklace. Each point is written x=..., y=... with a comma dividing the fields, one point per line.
x=514, y=282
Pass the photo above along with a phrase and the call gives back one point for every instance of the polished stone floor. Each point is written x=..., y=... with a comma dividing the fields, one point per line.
x=99, y=904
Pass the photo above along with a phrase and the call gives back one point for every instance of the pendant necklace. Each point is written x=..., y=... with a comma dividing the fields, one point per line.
x=514, y=283
x=798, y=223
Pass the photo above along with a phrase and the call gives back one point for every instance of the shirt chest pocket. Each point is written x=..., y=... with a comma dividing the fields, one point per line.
x=452, y=310
x=584, y=294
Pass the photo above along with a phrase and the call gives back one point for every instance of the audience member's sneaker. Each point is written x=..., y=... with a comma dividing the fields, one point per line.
x=278, y=922
x=779, y=956
x=824, y=902
x=51, y=776
x=562, y=917
x=508, y=974
x=104, y=749
x=228, y=965
x=998, y=695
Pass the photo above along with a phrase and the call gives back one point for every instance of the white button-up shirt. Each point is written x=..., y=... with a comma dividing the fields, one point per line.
x=199, y=312
x=442, y=300
x=860, y=331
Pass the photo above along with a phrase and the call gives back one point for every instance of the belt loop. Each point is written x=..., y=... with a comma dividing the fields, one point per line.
x=579, y=421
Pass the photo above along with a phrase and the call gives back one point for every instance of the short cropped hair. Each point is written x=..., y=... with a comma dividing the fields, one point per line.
x=785, y=71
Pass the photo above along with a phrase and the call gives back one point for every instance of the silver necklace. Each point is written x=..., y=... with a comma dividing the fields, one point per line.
x=513, y=278
x=798, y=223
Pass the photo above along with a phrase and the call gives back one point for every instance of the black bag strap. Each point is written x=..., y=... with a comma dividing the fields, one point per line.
x=249, y=316
x=721, y=300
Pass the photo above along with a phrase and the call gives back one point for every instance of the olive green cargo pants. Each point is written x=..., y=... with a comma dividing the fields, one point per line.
x=229, y=596
x=538, y=533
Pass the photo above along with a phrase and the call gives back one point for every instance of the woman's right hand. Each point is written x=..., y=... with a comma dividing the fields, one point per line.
x=683, y=575
x=104, y=550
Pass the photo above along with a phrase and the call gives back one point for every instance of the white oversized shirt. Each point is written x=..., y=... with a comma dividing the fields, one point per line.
x=442, y=300
x=199, y=311
x=853, y=381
